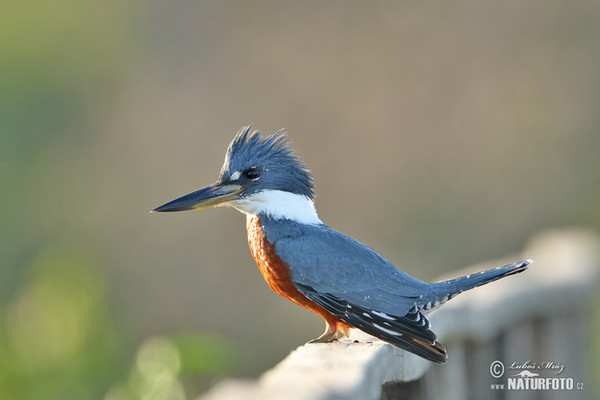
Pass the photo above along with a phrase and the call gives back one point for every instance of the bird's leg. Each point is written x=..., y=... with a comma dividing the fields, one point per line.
x=328, y=335
x=333, y=332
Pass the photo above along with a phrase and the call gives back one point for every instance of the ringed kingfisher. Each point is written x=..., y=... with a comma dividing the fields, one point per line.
x=313, y=265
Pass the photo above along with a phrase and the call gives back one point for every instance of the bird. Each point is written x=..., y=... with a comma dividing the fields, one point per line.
x=302, y=259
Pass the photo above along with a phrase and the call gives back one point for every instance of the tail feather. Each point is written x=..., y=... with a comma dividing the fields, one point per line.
x=481, y=278
x=443, y=291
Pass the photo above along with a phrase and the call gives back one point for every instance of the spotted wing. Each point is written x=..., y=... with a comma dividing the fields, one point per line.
x=360, y=287
x=410, y=332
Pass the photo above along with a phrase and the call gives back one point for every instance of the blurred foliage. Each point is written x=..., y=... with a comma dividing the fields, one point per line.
x=52, y=54
x=204, y=354
x=60, y=44
x=57, y=340
x=162, y=363
x=58, y=336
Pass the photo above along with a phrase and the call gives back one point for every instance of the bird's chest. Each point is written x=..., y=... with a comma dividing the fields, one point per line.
x=272, y=268
x=277, y=273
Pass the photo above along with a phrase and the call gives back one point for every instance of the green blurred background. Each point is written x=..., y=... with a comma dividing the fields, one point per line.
x=439, y=133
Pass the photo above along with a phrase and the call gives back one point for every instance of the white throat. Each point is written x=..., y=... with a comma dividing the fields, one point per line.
x=279, y=205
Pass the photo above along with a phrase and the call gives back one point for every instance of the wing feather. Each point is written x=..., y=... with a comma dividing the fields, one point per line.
x=330, y=262
x=410, y=332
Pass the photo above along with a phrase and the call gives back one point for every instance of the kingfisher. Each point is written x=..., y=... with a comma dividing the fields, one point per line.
x=344, y=281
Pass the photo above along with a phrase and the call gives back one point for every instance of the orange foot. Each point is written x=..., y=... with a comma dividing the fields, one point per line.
x=333, y=332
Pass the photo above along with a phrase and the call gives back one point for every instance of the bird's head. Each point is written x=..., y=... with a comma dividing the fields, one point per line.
x=260, y=174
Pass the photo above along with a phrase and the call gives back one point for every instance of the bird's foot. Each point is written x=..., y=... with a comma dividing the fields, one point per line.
x=324, y=339
x=332, y=334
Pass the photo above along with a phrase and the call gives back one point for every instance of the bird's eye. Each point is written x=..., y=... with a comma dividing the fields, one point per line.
x=252, y=173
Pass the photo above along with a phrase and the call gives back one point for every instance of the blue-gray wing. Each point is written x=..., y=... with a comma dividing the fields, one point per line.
x=357, y=285
x=333, y=263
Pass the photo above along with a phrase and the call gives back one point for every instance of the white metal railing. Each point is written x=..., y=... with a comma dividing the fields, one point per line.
x=540, y=316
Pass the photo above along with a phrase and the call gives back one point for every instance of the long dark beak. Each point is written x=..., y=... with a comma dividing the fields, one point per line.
x=213, y=195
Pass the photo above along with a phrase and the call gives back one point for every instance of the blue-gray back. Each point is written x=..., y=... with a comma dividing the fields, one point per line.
x=333, y=263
